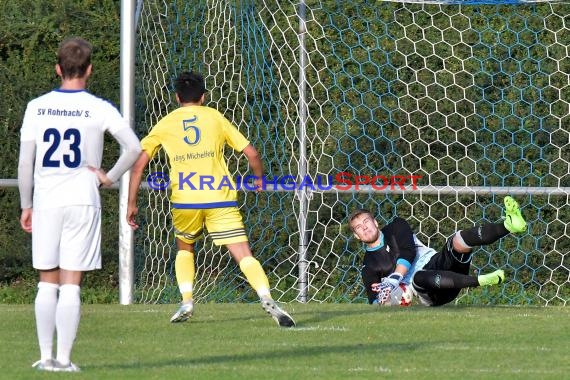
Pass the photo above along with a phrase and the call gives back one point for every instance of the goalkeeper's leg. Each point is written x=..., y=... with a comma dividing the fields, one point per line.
x=489, y=233
x=439, y=287
x=441, y=279
x=447, y=272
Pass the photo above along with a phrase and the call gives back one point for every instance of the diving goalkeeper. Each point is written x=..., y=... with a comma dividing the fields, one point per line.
x=395, y=255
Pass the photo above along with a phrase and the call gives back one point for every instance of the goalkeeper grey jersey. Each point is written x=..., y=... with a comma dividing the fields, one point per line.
x=423, y=255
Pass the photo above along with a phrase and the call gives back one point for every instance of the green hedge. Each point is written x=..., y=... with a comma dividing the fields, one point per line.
x=30, y=32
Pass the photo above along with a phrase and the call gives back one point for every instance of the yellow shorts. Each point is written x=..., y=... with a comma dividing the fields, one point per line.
x=225, y=225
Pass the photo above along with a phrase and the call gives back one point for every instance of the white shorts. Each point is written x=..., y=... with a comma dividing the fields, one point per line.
x=67, y=237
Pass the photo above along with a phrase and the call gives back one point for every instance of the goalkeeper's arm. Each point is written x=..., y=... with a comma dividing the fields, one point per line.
x=369, y=278
x=403, y=264
x=402, y=242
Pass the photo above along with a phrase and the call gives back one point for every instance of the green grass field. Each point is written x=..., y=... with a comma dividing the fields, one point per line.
x=331, y=341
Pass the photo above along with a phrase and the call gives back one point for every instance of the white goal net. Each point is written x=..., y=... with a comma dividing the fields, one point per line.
x=473, y=98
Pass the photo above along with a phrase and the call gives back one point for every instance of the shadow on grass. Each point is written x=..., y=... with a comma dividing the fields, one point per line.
x=305, y=314
x=289, y=353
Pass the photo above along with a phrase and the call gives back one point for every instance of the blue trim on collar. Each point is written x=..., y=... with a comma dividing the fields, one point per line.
x=69, y=91
x=380, y=245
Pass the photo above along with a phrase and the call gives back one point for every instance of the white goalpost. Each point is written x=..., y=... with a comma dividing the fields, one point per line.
x=126, y=249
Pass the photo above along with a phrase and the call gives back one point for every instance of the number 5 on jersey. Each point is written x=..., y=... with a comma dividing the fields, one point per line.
x=192, y=132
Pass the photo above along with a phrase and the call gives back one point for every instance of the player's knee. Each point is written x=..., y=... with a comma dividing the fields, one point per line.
x=247, y=261
x=421, y=280
x=459, y=244
x=185, y=253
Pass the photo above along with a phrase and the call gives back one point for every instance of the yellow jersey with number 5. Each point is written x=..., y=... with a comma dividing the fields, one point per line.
x=194, y=138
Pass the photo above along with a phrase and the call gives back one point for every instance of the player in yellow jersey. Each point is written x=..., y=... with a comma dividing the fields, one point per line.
x=203, y=191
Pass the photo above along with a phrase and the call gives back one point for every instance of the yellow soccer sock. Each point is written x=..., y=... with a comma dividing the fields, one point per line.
x=255, y=275
x=185, y=272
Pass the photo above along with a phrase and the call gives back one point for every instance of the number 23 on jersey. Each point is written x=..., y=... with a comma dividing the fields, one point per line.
x=68, y=143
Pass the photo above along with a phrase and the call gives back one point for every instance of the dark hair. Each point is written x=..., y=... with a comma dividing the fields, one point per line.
x=74, y=57
x=189, y=87
x=356, y=213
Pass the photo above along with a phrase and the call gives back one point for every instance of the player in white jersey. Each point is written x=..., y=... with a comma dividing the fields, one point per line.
x=59, y=177
x=395, y=255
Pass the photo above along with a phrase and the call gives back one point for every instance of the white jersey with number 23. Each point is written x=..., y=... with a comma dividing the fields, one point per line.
x=68, y=128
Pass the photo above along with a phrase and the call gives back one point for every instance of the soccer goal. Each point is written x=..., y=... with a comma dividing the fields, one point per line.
x=473, y=97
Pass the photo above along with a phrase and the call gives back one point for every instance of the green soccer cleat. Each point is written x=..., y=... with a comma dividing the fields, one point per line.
x=495, y=278
x=279, y=315
x=183, y=313
x=514, y=222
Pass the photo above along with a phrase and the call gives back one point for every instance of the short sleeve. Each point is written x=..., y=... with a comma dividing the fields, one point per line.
x=114, y=121
x=234, y=137
x=151, y=143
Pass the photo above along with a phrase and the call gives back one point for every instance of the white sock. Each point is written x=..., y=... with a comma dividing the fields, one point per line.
x=67, y=318
x=264, y=293
x=45, y=304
